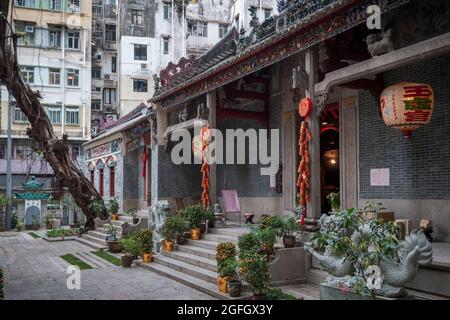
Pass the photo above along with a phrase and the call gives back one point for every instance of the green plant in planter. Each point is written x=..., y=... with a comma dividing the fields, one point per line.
x=290, y=227
x=272, y=222
x=194, y=215
x=248, y=242
x=255, y=272
x=169, y=228
x=113, y=206
x=225, y=251
x=267, y=237
x=209, y=215
x=131, y=245
x=146, y=240
x=334, y=199
x=229, y=269
x=112, y=230
x=97, y=206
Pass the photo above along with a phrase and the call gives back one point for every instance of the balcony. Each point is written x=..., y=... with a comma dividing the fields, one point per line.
x=31, y=166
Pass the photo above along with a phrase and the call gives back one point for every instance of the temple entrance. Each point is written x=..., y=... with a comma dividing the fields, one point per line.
x=329, y=155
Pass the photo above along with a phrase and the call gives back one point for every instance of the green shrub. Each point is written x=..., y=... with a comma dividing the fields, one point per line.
x=97, y=206
x=248, y=242
x=194, y=215
x=61, y=233
x=267, y=237
x=255, y=272
x=132, y=245
x=290, y=227
x=113, y=205
x=146, y=240
x=275, y=223
x=277, y=294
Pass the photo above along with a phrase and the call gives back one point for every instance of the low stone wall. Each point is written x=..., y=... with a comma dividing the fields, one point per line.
x=288, y=266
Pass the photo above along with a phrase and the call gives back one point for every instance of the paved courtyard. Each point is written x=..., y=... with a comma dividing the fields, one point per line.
x=34, y=270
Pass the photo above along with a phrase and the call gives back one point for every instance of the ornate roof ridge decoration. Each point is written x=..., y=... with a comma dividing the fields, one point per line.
x=32, y=188
x=136, y=112
x=32, y=185
x=189, y=67
x=319, y=20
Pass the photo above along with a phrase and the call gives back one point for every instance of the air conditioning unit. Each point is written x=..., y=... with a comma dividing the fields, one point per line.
x=144, y=66
x=93, y=88
x=29, y=29
x=99, y=57
x=98, y=89
x=107, y=77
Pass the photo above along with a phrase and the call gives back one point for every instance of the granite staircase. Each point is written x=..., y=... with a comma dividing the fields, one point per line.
x=96, y=239
x=194, y=263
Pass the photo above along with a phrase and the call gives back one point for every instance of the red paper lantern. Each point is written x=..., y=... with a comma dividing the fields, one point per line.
x=305, y=107
x=407, y=106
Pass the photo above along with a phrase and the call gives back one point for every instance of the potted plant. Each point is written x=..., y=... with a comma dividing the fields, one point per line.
x=19, y=226
x=275, y=223
x=114, y=246
x=179, y=226
x=334, y=200
x=267, y=238
x=168, y=233
x=234, y=281
x=210, y=218
x=146, y=239
x=97, y=206
x=255, y=272
x=133, y=213
x=194, y=215
x=48, y=221
x=132, y=247
x=113, y=208
x=225, y=252
x=290, y=227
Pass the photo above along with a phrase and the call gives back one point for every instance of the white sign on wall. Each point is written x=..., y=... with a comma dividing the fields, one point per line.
x=380, y=177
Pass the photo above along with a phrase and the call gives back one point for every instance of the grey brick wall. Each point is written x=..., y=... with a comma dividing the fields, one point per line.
x=419, y=168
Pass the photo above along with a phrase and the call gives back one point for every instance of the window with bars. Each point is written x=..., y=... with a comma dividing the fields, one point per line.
x=136, y=17
x=113, y=64
x=96, y=105
x=54, y=114
x=109, y=95
x=73, y=77
x=140, y=85
x=223, y=29
x=27, y=3
x=166, y=44
x=167, y=10
x=23, y=152
x=54, y=38
x=27, y=73
x=198, y=28
x=73, y=6
x=72, y=115
x=97, y=10
x=54, y=76
x=55, y=5
x=140, y=52
x=96, y=73
x=110, y=32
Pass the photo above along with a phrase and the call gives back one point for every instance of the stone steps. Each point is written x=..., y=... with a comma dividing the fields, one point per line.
x=89, y=237
x=193, y=259
x=93, y=245
x=206, y=244
x=200, y=252
x=219, y=238
x=186, y=268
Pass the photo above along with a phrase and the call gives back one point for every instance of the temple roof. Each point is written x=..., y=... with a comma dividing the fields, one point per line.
x=32, y=187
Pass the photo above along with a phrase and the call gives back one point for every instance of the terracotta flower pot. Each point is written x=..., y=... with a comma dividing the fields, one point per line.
x=289, y=241
x=222, y=284
x=147, y=258
x=235, y=288
x=168, y=245
x=196, y=234
x=114, y=217
x=127, y=261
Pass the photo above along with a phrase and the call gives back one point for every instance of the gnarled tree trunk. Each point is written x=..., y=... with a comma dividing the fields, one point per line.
x=56, y=151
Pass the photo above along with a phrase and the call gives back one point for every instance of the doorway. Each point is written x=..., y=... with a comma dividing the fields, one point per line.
x=329, y=155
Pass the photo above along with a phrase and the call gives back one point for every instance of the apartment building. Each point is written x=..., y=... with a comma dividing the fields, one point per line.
x=54, y=57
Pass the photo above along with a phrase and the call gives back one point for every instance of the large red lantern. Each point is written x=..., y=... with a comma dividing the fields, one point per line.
x=407, y=106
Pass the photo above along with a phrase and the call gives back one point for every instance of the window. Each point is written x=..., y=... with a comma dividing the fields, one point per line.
x=55, y=5
x=198, y=28
x=54, y=76
x=73, y=5
x=27, y=74
x=53, y=204
x=96, y=105
x=136, y=17
x=19, y=116
x=109, y=96
x=27, y=30
x=73, y=77
x=113, y=64
x=140, y=52
x=92, y=172
x=73, y=39
x=72, y=115
x=167, y=9
x=26, y=3
x=110, y=32
x=2, y=151
x=54, y=114
x=267, y=13
x=96, y=73
x=96, y=10
x=112, y=183
x=223, y=29
x=166, y=42
x=24, y=152
x=101, y=174
x=54, y=38
x=75, y=152
x=139, y=85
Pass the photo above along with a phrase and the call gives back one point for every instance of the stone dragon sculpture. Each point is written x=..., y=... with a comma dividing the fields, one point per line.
x=413, y=252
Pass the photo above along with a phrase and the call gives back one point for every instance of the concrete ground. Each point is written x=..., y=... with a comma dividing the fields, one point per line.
x=34, y=270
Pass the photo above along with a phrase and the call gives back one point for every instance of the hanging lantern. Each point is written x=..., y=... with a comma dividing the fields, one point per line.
x=407, y=106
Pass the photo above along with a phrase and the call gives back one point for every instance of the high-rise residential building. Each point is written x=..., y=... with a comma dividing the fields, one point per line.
x=54, y=57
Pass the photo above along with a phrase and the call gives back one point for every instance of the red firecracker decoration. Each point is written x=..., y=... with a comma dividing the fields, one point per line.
x=205, y=135
x=144, y=159
x=303, y=168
